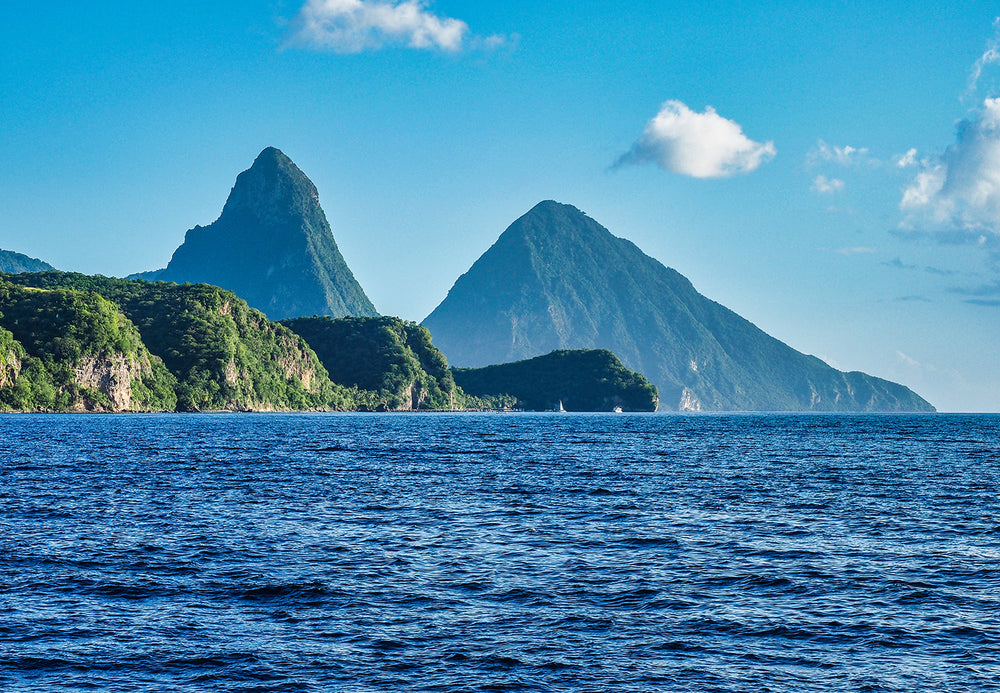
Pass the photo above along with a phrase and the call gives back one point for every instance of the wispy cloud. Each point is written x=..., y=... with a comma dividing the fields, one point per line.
x=826, y=186
x=844, y=156
x=990, y=57
x=856, y=250
x=897, y=263
x=987, y=295
x=701, y=145
x=354, y=26
x=957, y=196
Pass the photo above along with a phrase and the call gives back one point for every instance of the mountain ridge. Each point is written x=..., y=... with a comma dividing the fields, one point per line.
x=557, y=279
x=14, y=263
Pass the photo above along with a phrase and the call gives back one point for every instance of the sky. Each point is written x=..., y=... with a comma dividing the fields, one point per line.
x=830, y=172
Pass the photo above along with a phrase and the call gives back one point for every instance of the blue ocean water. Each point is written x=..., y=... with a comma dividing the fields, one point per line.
x=499, y=552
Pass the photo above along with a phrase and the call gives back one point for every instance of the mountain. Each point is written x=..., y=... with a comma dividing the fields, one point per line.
x=579, y=380
x=272, y=246
x=556, y=279
x=391, y=362
x=14, y=263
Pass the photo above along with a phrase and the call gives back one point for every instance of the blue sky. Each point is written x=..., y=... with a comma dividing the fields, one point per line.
x=830, y=172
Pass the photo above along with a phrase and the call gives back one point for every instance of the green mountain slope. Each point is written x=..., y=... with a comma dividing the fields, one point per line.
x=556, y=279
x=272, y=246
x=62, y=349
x=581, y=380
x=391, y=360
x=14, y=263
x=223, y=354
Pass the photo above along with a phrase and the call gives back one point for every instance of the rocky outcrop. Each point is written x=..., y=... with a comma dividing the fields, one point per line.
x=10, y=358
x=106, y=381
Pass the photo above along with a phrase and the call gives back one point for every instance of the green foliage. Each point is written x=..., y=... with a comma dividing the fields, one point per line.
x=47, y=333
x=222, y=353
x=392, y=363
x=581, y=380
x=556, y=279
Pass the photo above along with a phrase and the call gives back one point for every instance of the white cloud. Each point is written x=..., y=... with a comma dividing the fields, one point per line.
x=961, y=190
x=824, y=185
x=907, y=160
x=701, y=145
x=353, y=26
x=845, y=156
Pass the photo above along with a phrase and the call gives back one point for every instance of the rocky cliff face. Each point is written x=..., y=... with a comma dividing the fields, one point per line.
x=272, y=246
x=112, y=376
x=556, y=279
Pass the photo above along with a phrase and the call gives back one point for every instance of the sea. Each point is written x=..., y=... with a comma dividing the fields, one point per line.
x=499, y=552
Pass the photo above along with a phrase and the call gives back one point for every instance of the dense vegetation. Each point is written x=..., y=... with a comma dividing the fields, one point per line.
x=581, y=380
x=391, y=362
x=67, y=349
x=556, y=279
x=223, y=354
x=13, y=263
x=272, y=246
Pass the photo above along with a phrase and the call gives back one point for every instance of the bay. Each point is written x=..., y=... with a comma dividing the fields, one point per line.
x=491, y=552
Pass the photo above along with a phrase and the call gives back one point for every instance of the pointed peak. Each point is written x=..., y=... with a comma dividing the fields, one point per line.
x=550, y=218
x=553, y=207
x=271, y=155
x=273, y=160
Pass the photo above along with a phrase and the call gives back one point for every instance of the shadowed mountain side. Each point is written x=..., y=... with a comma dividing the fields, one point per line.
x=15, y=263
x=272, y=246
x=556, y=279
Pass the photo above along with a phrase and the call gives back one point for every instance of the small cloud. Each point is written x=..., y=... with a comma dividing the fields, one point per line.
x=844, y=156
x=700, y=145
x=906, y=160
x=907, y=361
x=988, y=302
x=354, y=26
x=825, y=186
x=914, y=299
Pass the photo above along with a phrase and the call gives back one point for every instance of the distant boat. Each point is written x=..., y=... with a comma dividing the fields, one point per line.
x=559, y=407
x=617, y=410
